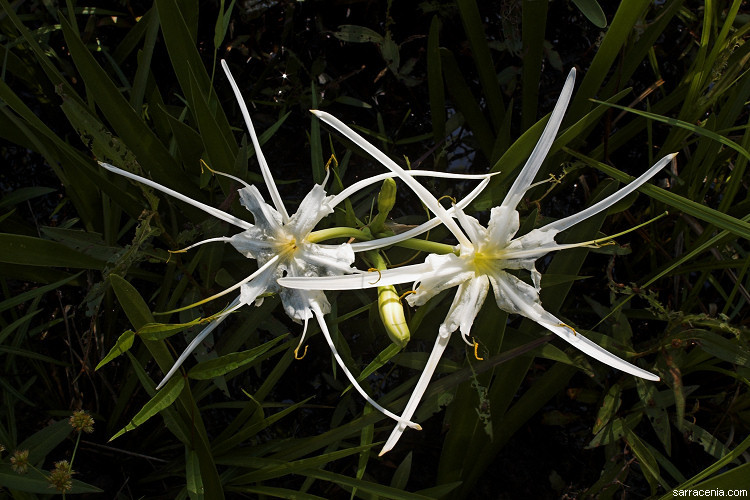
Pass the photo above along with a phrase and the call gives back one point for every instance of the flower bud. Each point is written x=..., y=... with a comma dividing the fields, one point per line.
x=386, y=200
x=392, y=315
x=389, y=306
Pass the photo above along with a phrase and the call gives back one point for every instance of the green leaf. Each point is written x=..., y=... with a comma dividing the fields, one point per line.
x=45, y=440
x=609, y=51
x=134, y=132
x=480, y=49
x=23, y=194
x=534, y=19
x=36, y=482
x=403, y=471
x=26, y=296
x=27, y=250
x=362, y=486
x=193, y=479
x=728, y=480
x=593, y=12
x=696, y=129
x=222, y=23
x=646, y=460
x=123, y=344
x=163, y=399
x=131, y=301
x=222, y=365
x=465, y=102
x=701, y=211
x=253, y=428
x=272, y=491
x=278, y=468
x=435, y=81
x=357, y=34
x=609, y=408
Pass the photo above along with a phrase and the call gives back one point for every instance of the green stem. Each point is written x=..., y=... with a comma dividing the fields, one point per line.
x=75, y=449
x=350, y=232
x=338, y=232
x=427, y=246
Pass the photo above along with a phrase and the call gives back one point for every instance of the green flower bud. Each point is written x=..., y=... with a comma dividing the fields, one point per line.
x=392, y=315
x=386, y=200
x=389, y=307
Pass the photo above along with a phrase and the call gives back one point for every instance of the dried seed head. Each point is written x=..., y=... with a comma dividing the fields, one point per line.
x=82, y=421
x=19, y=462
x=61, y=477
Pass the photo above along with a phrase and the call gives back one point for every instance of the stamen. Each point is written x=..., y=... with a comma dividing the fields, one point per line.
x=262, y=268
x=453, y=200
x=405, y=294
x=304, y=353
x=173, y=252
x=371, y=270
x=332, y=159
x=186, y=199
x=216, y=172
x=607, y=240
x=568, y=327
x=476, y=350
x=301, y=340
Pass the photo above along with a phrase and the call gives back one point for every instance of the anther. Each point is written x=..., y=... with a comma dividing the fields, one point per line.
x=332, y=159
x=405, y=294
x=372, y=269
x=297, y=357
x=568, y=327
x=204, y=164
x=453, y=200
x=174, y=251
x=476, y=350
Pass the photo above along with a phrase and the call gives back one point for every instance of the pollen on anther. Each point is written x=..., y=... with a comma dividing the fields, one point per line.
x=476, y=350
x=297, y=357
x=372, y=270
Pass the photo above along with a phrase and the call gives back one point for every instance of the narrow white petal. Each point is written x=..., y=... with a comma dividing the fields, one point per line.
x=503, y=225
x=362, y=246
x=592, y=349
x=426, y=197
x=474, y=230
x=311, y=210
x=406, y=274
x=352, y=379
x=275, y=196
x=445, y=272
x=233, y=306
x=357, y=186
x=223, y=239
x=465, y=306
x=334, y=261
x=563, y=224
x=416, y=396
x=209, y=210
x=526, y=177
x=266, y=218
x=524, y=300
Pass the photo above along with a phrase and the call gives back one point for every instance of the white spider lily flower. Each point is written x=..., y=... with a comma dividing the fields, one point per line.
x=483, y=262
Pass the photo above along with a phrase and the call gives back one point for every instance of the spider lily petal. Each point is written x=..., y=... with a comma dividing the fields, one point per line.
x=209, y=210
x=420, y=190
x=539, y=153
x=265, y=171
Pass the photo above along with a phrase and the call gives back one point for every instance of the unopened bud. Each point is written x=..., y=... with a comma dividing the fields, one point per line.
x=392, y=315
x=386, y=201
x=389, y=306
